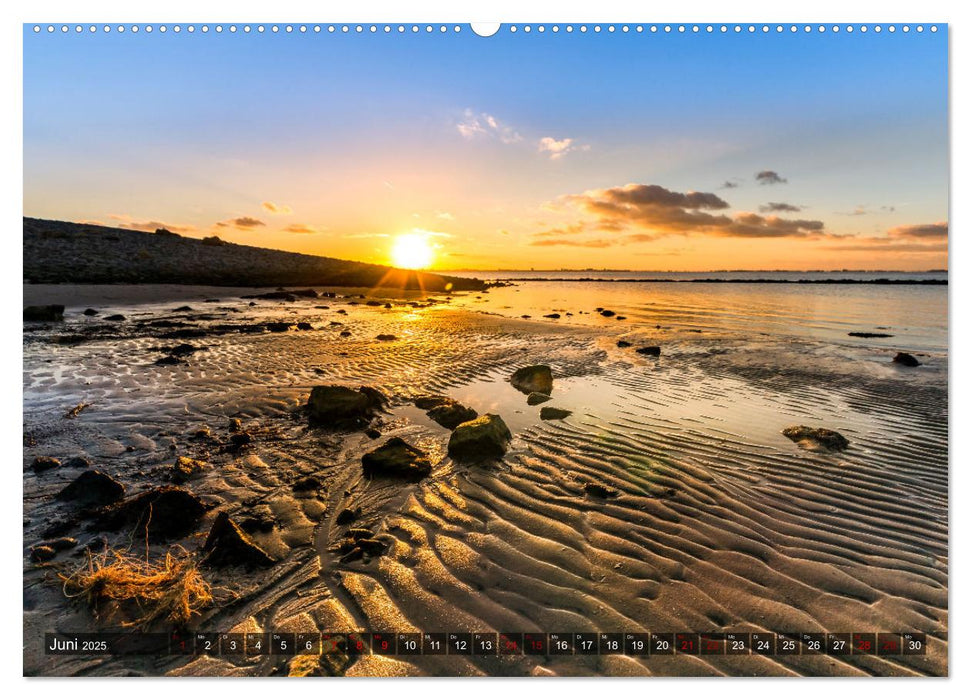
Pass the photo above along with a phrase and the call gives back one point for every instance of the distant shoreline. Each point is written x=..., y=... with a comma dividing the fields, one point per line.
x=722, y=280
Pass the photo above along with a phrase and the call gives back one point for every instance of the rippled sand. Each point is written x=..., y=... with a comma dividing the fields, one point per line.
x=721, y=523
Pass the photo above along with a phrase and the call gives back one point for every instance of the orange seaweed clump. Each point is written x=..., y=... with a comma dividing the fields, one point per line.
x=116, y=584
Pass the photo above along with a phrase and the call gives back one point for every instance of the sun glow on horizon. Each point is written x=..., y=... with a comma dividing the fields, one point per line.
x=412, y=251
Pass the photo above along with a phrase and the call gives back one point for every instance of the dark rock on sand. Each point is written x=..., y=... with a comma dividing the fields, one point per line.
x=278, y=327
x=345, y=334
x=533, y=378
x=304, y=326
x=905, y=359
x=165, y=512
x=182, y=350
x=607, y=313
x=396, y=458
x=43, y=464
x=652, y=350
x=228, y=545
x=536, y=398
x=49, y=312
x=76, y=463
x=90, y=312
x=340, y=406
x=42, y=554
x=373, y=433
x=182, y=308
x=115, y=317
x=239, y=440
x=92, y=488
x=812, y=437
x=599, y=490
x=623, y=343
x=170, y=360
x=347, y=516
x=372, y=302
x=185, y=468
x=307, y=483
x=865, y=334
x=486, y=437
x=387, y=336
x=553, y=413
x=551, y=315
x=452, y=414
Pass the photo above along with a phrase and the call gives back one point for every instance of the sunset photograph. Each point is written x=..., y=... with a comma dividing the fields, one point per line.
x=424, y=350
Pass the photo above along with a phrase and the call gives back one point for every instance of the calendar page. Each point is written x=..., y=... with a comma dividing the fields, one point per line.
x=439, y=349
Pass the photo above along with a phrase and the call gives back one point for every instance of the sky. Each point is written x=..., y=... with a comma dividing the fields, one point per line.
x=573, y=150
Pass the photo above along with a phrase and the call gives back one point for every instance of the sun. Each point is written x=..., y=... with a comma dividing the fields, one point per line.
x=412, y=251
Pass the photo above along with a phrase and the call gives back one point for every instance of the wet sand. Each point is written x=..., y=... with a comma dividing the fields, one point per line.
x=719, y=523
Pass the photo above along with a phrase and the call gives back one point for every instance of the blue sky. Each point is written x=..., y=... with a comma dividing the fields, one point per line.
x=487, y=145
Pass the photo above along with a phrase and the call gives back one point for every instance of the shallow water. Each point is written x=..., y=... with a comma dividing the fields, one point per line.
x=720, y=522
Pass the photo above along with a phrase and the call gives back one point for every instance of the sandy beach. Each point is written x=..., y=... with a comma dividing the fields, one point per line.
x=667, y=499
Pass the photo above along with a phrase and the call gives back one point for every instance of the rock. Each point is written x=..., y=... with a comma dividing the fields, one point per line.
x=623, y=344
x=213, y=240
x=607, y=313
x=76, y=463
x=92, y=488
x=234, y=425
x=396, y=458
x=164, y=512
x=41, y=554
x=304, y=326
x=553, y=413
x=599, y=490
x=202, y=433
x=427, y=402
x=90, y=312
x=652, y=350
x=551, y=315
x=340, y=406
x=533, y=378
x=345, y=334
x=371, y=546
x=239, y=440
x=170, y=360
x=186, y=468
x=387, y=336
x=905, y=359
x=115, y=317
x=43, y=464
x=813, y=437
x=182, y=350
x=279, y=327
x=307, y=483
x=228, y=545
x=50, y=312
x=373, y=302
x=347, y=516
x=61, y=544
x=373, y=433
x=182, y=308
x=620, y=318
x=537, y=397
x=452, y=414
x=864, y=334
x=486, y=437
x=387, y=306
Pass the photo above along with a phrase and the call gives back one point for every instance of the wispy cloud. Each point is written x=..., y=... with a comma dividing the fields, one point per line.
x=127, y=222
x=779, y=206
x=302, y=228
x=913, y=238
x=557, y=148
x=482, y=125
x=281, y=209
x=769, y=177
x=243, y=223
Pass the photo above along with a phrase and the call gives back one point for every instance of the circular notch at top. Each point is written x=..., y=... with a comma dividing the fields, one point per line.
x=485, y=28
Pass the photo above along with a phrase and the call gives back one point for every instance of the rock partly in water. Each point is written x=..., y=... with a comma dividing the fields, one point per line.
x=92, y=488
x=486, y=437
x=536, y=398
x=90, y=312
x=342, y=407
x=396, y=458
x=814, y=438
x=905, y=359
x=48, y=312
x=427, y=402
x=228, y=545
x=115, y=317
x=44, y=464
x=537, y=378
x=553, y=413
x=651, y=350
x=165, y=512
x=452, y=414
